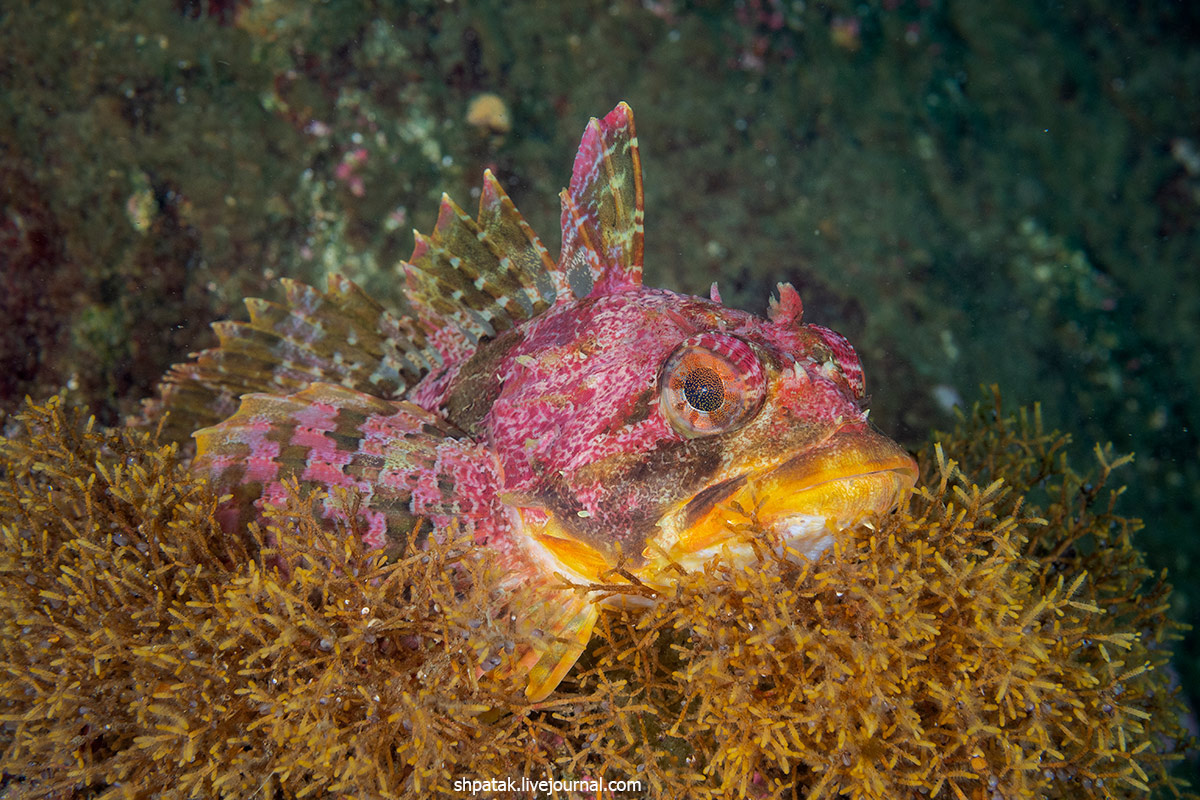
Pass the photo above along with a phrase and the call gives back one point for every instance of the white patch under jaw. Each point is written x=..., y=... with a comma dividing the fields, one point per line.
x=738, y=552
x=807, y=535
x=795, y=536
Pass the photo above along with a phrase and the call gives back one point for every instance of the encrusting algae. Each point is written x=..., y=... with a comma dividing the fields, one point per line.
x=997, y=637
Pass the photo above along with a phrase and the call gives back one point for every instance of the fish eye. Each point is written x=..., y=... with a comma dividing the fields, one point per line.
x=703, y=389
x=711, y=383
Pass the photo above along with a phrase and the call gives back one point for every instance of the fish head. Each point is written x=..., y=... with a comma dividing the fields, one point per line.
x=644, y=430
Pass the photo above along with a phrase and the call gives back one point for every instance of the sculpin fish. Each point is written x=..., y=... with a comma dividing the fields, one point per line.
x=579, y=424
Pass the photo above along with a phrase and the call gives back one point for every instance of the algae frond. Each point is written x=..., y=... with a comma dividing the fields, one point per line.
x=999, y=636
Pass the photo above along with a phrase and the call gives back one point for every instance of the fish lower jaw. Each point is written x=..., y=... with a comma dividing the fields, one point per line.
x=795, y=515
x=792, y=537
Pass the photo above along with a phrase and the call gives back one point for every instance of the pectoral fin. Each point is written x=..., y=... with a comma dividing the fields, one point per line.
x=400, y=459
x=564, y=644
x=556, y=632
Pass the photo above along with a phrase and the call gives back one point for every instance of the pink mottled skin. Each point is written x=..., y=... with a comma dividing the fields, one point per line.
x=576, y=414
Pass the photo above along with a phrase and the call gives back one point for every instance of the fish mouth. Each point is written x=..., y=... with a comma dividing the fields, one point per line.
x=800, y=502
x=853, y=474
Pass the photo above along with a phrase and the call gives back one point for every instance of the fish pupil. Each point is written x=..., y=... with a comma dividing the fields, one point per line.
x=703, y=389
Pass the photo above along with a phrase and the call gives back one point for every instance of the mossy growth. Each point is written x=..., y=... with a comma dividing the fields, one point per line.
x=998, y=637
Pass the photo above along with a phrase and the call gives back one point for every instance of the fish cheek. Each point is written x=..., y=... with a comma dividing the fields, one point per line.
x=639, y=409
x=643, y=487
x=476, y=387
x=677, y=468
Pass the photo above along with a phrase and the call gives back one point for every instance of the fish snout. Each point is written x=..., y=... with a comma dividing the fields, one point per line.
x=852, y=474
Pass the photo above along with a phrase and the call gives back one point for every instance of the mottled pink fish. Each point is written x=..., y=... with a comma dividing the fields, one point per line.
x=578, y=423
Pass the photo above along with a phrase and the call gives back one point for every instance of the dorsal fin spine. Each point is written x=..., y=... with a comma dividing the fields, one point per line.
x=531, y=263
x=603, y=207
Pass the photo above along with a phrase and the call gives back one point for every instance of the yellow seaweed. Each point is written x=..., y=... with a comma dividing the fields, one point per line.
x=999, y=636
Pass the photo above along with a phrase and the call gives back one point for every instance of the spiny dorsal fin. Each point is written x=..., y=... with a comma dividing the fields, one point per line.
x=466, y=281
x=518, y=246
x=403, y=461
x=339, y=336
x=482, y=276
x=602, y=216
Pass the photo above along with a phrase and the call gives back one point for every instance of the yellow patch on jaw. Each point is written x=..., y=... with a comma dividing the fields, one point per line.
x=575, y=556
x=715, y=526
x=853, y=474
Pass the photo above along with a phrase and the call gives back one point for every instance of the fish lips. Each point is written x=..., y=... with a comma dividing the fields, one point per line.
x=852, y=474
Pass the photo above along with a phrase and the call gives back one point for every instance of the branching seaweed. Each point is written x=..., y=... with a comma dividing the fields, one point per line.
x=997, y=637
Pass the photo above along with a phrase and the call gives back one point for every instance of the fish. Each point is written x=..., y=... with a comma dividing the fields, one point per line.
x=583, y=428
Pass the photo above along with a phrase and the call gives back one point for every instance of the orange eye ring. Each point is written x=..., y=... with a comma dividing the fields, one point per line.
x=711, y=383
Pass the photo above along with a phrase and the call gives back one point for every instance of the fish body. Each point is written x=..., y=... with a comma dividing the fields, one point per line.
x=579, y=424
